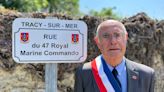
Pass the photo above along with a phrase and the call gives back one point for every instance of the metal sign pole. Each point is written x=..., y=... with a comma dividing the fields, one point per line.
x=51, y=77
x=51, y=73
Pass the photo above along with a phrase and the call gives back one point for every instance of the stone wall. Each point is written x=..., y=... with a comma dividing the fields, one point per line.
x=145, y=45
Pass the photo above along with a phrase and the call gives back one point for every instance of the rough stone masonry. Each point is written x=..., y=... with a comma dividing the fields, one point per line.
x=145, y=45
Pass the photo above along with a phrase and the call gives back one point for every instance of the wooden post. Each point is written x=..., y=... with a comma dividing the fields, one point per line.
x=51, y=77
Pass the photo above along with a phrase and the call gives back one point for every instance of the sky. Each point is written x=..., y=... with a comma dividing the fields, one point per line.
x=126, y=8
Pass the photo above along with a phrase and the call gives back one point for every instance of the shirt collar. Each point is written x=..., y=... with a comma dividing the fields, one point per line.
x=119, y=67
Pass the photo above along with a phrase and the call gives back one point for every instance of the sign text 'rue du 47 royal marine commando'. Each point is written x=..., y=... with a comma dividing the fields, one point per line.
x=49, y=41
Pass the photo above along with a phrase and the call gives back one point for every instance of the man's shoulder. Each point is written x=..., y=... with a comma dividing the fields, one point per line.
x=84, y=70
x=85, y=66
x=139, y=67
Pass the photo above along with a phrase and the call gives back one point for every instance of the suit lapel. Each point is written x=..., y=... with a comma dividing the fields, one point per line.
x=94, y=84
x=132, y=77
x=96, y=89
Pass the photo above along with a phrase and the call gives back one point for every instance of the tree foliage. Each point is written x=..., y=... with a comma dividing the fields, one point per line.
x=105, y=13
x=25, y=5
x=64, y=6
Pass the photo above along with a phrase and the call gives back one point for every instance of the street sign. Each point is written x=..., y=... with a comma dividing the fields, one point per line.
x=49, y=41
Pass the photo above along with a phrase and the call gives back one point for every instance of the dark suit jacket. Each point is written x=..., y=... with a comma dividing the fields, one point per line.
x=144, y=81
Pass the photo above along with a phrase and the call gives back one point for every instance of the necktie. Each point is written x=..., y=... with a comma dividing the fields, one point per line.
x=115, y=73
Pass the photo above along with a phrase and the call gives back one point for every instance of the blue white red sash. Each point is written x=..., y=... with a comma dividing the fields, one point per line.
x=102, y=81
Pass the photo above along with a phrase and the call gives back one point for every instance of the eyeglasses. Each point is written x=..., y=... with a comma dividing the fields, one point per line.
x=114, y=35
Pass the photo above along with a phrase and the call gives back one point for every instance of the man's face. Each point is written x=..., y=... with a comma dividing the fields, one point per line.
x=112, y=41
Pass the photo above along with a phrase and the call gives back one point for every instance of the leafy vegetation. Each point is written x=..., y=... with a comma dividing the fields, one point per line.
x=62, y=6
x=105, y=13
x=25, y=5
x=69, y=7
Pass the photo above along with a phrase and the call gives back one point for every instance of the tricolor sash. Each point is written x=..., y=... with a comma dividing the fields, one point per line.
x=110, y=76
x=100, y=76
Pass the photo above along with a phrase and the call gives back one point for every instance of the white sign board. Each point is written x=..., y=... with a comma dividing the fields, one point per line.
x=49, y=41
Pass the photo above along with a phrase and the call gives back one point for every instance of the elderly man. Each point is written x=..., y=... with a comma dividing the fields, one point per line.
x=111, y=71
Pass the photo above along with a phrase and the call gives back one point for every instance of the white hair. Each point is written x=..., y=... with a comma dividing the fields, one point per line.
x=110, y=22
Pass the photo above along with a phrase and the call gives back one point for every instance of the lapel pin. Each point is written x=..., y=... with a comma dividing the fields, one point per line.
x=134, y=77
